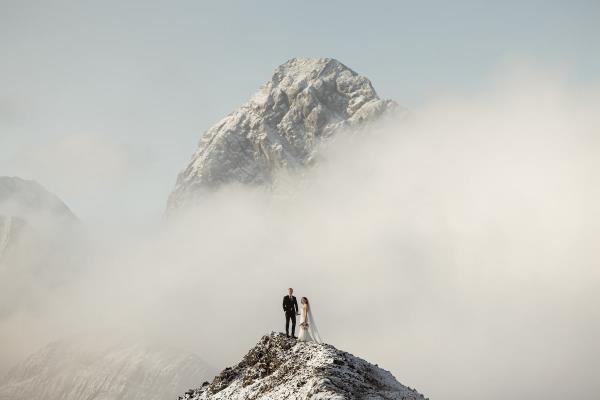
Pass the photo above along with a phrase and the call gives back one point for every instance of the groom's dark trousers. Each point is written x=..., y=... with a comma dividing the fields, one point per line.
x=290, y=306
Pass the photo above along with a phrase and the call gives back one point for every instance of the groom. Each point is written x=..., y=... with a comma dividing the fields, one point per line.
x=290, y=307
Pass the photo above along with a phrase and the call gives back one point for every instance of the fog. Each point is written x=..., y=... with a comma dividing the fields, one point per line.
x=457, y=249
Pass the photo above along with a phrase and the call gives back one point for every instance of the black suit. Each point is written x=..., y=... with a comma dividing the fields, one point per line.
x=290, y=306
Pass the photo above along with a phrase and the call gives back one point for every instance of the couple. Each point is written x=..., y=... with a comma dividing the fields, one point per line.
x=308, y=329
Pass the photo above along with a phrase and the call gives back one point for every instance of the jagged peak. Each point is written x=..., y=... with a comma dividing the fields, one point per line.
x=300, y=68
x=321, y=75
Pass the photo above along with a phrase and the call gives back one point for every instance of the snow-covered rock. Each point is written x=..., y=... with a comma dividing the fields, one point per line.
x=283, y=368
x=305, y=102
x=100, y=369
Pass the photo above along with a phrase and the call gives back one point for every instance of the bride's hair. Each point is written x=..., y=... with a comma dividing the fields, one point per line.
x=305, y=300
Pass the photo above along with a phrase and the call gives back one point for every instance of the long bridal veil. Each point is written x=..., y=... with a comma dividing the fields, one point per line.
x=312, y=327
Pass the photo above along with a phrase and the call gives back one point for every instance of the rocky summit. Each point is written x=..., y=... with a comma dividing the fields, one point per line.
x=283, y=368
x=305, y=102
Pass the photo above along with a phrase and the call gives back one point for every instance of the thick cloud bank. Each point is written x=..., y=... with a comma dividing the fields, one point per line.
x=458, y=250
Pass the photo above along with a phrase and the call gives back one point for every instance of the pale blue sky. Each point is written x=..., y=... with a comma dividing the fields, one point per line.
x=137, y=82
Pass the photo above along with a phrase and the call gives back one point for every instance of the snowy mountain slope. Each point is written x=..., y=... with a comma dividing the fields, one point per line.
x=282, y=368
x=305, y=102
x=99, y=369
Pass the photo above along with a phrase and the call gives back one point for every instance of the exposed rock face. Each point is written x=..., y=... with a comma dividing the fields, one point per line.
x=282, y=368
x=305, y=102
x=95, y=368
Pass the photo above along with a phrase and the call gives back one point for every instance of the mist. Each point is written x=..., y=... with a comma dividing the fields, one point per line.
x=457, y=249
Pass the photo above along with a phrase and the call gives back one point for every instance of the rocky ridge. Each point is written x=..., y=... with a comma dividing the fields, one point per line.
x=283, y=368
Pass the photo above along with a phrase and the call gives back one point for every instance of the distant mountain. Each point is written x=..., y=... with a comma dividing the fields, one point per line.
x=95, y=368
x=41, y=243
x=11, y=228
x=28, y=212
x=305, y=102
x=284, y=369
x=26, y=198
x=41, y=249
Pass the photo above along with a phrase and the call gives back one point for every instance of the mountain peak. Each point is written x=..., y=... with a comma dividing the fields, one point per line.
x=283, y=368
x=308, y=68
x=306, y=101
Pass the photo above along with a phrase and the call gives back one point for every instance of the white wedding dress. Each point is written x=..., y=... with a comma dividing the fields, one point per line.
x=308, y=328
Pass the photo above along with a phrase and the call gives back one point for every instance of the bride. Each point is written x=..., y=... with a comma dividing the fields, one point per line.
x=308, y=329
